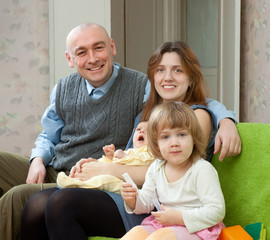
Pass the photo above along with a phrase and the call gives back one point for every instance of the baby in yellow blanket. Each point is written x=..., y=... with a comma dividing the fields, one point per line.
x=138, y=155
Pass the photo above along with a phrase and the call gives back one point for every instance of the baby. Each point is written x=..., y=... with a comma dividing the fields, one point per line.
x=138, y=155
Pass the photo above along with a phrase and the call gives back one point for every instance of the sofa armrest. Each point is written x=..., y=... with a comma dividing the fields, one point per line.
x=245, y=179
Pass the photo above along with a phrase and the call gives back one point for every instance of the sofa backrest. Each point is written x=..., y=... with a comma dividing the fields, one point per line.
x=245, y=179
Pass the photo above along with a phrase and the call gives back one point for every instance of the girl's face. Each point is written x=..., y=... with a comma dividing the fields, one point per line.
x=176, y=145
x=171, y=82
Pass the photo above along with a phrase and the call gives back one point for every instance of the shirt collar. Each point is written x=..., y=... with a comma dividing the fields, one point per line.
x=106, y=86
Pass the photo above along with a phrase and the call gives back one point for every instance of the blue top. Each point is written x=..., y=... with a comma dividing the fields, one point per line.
x=215, y=105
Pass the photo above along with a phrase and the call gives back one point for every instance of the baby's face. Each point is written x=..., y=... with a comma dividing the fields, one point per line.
x=140, y=135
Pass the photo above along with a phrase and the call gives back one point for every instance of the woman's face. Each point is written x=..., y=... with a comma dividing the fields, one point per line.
x=170, y=80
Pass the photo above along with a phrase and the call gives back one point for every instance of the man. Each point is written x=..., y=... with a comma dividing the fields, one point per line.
x=88, y=109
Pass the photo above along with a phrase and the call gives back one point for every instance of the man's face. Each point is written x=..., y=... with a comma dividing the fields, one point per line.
x=90, y=51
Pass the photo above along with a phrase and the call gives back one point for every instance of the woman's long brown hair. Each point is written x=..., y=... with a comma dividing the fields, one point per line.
x=196, y=93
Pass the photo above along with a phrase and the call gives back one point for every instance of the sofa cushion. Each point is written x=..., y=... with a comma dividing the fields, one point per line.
x=245, y=179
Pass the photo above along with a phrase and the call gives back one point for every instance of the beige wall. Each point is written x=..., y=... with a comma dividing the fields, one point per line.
x=25, y=61
x=24, y=66
x=63, y=17
x=255, y=61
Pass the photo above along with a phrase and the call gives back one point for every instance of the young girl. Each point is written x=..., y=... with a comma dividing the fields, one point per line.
x=186, y=185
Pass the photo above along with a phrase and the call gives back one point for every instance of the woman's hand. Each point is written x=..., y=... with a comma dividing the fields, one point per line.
x=78, y=167
x=92, y=168
x=227, y=137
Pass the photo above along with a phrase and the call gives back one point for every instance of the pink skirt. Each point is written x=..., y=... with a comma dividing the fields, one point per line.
x=211, y=233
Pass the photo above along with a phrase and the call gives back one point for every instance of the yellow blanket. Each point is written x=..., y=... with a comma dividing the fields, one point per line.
x=110, y=183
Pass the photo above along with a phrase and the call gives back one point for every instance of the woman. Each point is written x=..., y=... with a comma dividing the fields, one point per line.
x=76, y=213
x=175, y=73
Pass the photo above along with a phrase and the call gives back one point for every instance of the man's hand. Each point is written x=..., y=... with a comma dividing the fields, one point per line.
x=37, y=171
x=228, y=137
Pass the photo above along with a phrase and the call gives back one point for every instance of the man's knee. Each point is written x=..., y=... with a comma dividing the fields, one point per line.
x=13, y=171
x=19, y=195
x=11, y=206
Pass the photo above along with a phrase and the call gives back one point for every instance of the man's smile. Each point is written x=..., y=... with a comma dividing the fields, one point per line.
x=95, y=69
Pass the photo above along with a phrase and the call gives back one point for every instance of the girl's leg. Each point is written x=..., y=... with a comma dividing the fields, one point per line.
x=136, y=233
x=163, y=234
x=33, y=216
x=140, y=232
x=76, y=213
x=173, y=233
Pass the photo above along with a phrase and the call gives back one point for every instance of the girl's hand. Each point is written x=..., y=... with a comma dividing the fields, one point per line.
x=129, y=194
x=168, y=216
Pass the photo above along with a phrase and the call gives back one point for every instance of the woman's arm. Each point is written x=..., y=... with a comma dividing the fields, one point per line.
x=227, y=135
x=95, y=168
x=205, y=122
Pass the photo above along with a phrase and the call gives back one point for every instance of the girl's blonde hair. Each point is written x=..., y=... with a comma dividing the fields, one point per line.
x=175, y=115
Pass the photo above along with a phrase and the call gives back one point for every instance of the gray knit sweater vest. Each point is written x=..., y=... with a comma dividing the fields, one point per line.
x=90, y=124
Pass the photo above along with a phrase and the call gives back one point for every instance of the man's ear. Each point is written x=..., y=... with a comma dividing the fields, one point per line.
x=70, y=63
x=113, y=47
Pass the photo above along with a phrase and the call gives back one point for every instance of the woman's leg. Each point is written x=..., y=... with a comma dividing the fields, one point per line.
x=76, y=213
x=33, y=216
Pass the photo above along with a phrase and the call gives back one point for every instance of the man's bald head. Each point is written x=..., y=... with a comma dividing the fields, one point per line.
x=80, y=28
x=90, y=50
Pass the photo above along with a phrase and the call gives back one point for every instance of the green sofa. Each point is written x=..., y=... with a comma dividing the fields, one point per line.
x=245, y=179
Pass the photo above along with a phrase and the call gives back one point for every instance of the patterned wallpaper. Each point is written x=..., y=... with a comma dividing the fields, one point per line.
x=255, y=61
x=24, y=66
